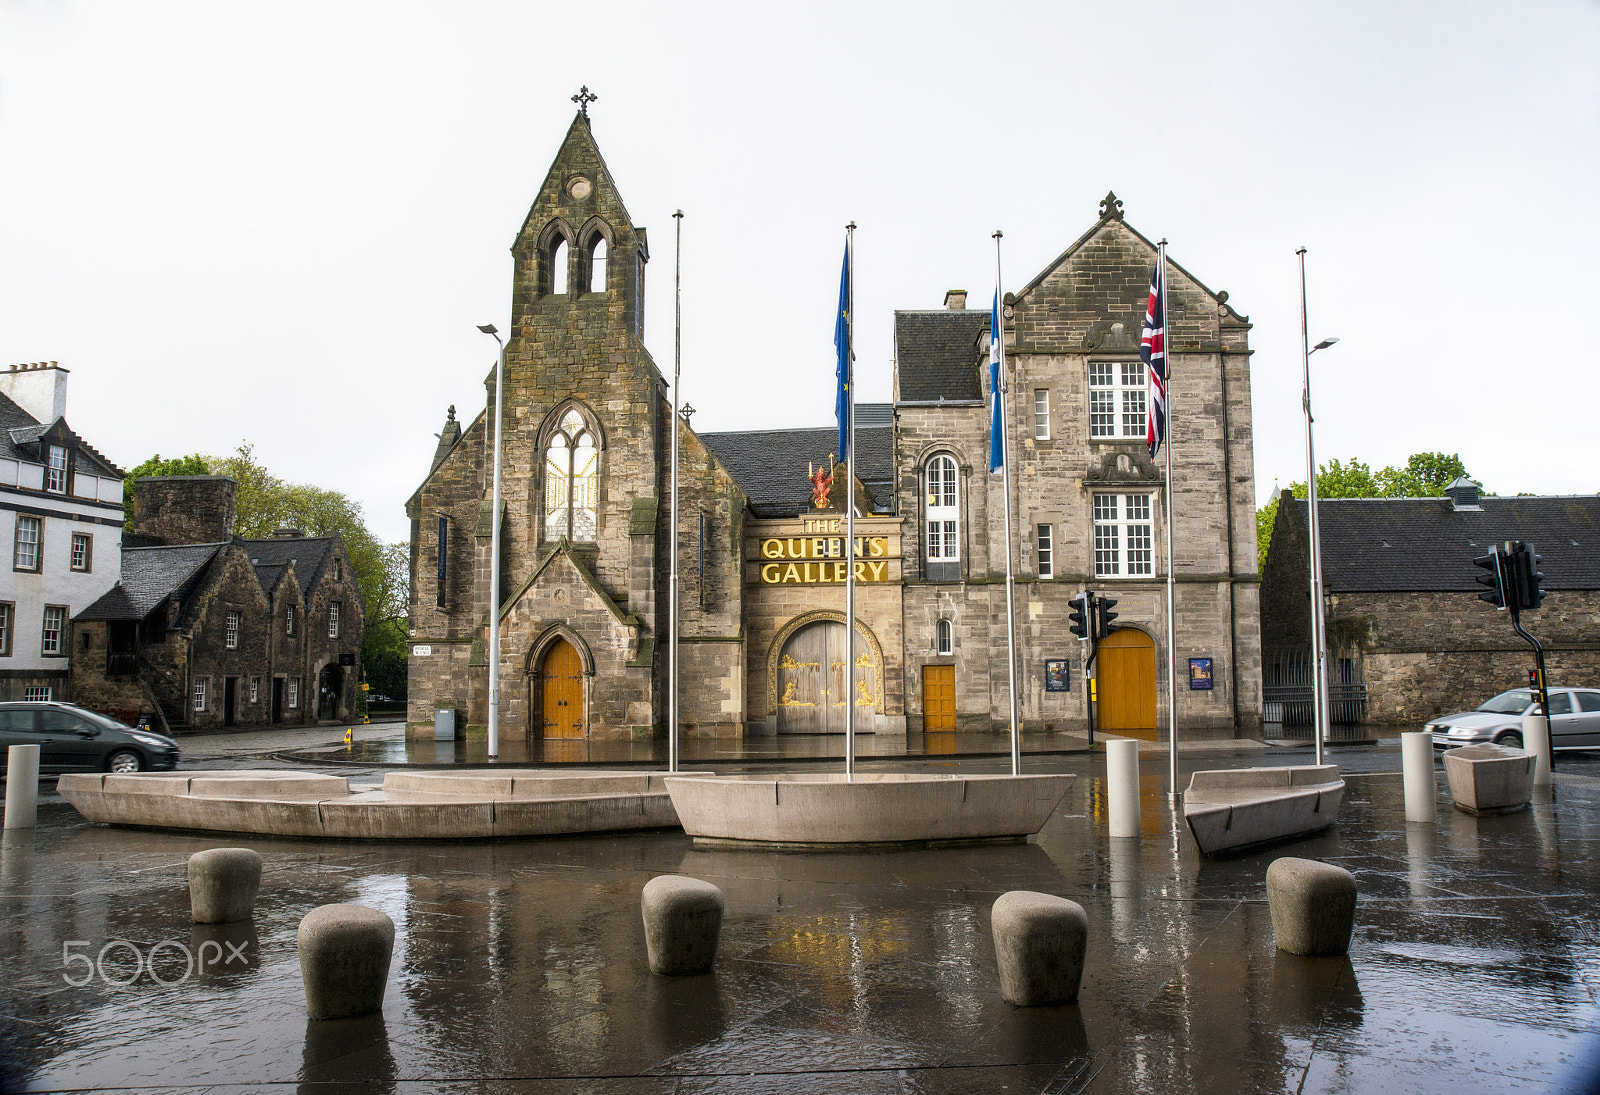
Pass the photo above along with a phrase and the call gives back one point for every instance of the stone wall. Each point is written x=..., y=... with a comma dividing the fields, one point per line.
x=184, y=509
x=1425, y=654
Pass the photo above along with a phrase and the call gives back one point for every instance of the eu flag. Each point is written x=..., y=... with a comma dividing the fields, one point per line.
x=841, y=342
x=997, y=424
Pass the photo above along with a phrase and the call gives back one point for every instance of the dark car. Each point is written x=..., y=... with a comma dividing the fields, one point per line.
x=1574, y=720
x=71, y=739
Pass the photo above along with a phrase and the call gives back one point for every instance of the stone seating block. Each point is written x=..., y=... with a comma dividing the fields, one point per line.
x=344, y=960
x=1039, y=943
x=682, y=919
x=1488, y=778
x=1313, y=906
x=223, y=883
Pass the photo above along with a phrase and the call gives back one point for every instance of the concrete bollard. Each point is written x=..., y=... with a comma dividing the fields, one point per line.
x=1313, y=906
x=1416, y=761
x=1122, y=787
x=682, y=919
x=1039, y=944
x=1536, y=740
x=22, y=786
x=222, y=885
x=344, y=960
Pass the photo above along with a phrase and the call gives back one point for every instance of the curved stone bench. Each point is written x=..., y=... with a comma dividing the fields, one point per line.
x=1489, y=779
x=826, y=809
x=410, y=805
x=1234, y=808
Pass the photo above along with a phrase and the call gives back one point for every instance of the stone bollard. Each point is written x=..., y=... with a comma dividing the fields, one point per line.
x=1313, y=906
x=1039, y=943
x=682, y=918
x=22, y=786
x=344, y=960
x=1536, y=740
x=1122, y=787
x=223, y=884
x=1416, y=764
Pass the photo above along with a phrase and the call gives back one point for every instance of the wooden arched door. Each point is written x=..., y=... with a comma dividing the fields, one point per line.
x=1127, y=685
x=811, y=681
x=561, y=689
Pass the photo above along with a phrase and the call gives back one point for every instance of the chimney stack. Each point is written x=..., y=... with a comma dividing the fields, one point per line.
x=955, y=299
x=38, y=387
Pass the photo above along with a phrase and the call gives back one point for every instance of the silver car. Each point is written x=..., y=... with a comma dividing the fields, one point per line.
x=1574, y=720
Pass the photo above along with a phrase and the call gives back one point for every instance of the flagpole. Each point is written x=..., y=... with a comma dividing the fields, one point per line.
x=1005, y=467
x=1173, y=793
x=672, y=539
x=850, y=509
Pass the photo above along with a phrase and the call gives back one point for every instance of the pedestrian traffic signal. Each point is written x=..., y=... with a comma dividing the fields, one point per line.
x=1104, y=616
x=1529, y=579
x=1495, y=577
x=1079, y=615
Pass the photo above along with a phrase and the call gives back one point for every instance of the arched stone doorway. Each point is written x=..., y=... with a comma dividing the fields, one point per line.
x=1127, y=685
x=330, y=684
x=560, y=684
x=808, y=681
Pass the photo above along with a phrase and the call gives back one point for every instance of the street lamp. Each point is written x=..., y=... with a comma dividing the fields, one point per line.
x=494, y=552
x=1319, y=682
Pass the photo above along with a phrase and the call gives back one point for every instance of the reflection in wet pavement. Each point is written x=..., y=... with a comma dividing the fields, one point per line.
x=519, y=966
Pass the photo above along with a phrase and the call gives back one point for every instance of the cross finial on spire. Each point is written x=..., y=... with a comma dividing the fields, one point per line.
x=583, y=98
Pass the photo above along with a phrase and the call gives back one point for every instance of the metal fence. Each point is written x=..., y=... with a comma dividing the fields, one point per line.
x=1289, y=696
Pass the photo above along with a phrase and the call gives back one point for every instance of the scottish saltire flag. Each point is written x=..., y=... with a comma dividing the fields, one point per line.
x=997, y=424
x=841, y=342
x=1153, y=351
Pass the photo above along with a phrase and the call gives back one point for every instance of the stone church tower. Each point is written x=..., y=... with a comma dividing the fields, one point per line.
x=584, y=483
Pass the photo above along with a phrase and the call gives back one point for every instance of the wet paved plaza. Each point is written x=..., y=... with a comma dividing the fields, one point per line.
x=519, y=966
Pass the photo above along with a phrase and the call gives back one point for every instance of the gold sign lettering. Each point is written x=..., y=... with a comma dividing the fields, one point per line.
x=819, y=556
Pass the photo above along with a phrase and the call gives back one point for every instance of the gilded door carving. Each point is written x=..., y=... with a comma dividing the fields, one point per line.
x=811, y=682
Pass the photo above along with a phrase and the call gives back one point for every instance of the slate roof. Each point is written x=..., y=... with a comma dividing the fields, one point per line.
x=308, y=554
x=770, y=464
x=149, y=576
x=20, y=433
x=1397, y=544
x=936, y=355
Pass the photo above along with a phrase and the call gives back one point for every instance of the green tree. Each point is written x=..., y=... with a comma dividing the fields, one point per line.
x=193, y=464
x=265, y=503
x=1425, y=475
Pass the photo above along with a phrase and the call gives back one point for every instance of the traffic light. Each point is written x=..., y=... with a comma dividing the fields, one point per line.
x=1529, y=579
x=1103, y=616
x=1496, y=576
x=1081, y=607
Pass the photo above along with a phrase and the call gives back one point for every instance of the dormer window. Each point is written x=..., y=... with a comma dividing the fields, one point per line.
x=571, y=480
x=55, y=480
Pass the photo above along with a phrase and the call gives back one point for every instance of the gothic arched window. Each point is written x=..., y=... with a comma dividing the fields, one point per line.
x=558, y=265
x=597, y=264
x=571, y=480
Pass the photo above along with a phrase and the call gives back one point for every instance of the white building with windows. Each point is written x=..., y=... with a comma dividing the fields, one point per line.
x=61, y=517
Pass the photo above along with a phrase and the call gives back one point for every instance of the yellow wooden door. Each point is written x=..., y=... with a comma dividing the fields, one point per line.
x=1127, y=684
x=938, y=697
x=562, y=680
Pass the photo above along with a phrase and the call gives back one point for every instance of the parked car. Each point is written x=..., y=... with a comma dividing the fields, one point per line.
x=1574, y=720
x=71, y=739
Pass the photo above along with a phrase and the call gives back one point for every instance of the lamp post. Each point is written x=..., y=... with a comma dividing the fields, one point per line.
x=494, y=551
x=1319, y=682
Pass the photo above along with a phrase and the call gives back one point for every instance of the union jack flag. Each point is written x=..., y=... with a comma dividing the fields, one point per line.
x=1153, y=351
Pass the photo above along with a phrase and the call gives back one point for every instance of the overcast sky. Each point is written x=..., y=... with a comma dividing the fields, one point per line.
x=280, y=222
